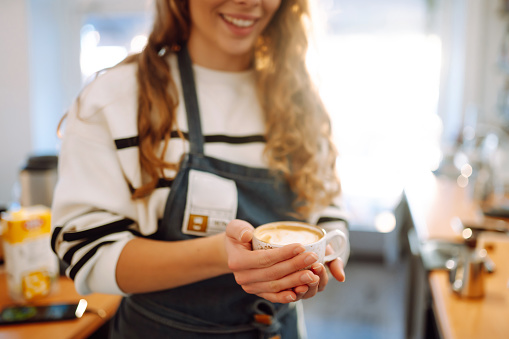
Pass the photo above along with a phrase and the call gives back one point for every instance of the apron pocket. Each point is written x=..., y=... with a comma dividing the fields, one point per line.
x=211, y=204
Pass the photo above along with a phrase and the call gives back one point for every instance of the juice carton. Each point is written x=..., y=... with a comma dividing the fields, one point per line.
x=30, y=264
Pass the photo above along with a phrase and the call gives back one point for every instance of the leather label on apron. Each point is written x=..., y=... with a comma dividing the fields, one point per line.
x=211, y=203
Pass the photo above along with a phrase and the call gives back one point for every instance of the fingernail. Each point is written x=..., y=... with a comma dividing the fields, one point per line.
x=311, y=258
x=314, y=283
x=317, y=268
x=242, y=234
x=306, y=278
x=290, y=298
x=299, y=250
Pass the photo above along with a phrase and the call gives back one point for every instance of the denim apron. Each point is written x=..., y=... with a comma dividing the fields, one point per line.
x=216, y=307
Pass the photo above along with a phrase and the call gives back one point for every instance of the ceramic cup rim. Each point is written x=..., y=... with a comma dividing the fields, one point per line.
x=290, y=223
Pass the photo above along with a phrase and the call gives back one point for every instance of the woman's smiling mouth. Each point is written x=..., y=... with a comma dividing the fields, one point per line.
x=241, y=23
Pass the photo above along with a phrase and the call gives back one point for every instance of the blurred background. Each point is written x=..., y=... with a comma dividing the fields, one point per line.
x=410, y=85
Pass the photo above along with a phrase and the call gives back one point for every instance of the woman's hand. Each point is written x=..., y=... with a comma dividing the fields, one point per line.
x=336, y=268
x=277, y=275
x=309, y=291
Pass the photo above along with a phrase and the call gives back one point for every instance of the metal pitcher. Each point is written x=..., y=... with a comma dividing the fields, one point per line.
x=467, y=273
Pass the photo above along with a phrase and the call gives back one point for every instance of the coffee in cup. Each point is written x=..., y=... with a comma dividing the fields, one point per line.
x=313, y=238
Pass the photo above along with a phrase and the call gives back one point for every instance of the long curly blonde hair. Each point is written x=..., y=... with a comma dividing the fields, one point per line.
x=298, y=130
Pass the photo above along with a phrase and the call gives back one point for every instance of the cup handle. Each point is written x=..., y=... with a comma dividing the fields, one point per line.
x=337, y=239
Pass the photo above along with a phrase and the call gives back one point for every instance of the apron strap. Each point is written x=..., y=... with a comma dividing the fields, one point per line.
x=191, y=101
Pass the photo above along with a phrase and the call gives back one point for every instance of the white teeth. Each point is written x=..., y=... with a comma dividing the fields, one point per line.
x=238, y=22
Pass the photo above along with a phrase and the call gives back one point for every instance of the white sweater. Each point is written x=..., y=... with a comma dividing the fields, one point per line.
x=93, y=215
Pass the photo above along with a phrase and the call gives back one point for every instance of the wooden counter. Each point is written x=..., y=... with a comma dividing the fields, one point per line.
x=63, y=293
x=470, y=318
x=434, y=203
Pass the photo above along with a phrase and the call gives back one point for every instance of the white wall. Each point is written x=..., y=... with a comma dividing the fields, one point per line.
x=40, y=74
x=55, y=75
x=15, y=125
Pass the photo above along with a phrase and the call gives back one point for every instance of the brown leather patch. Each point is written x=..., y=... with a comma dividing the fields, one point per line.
x=197, y=223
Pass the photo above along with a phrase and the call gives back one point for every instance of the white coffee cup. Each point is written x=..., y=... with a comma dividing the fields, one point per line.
x=313, y=238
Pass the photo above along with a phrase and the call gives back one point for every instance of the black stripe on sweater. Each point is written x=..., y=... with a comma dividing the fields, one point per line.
x=100, y=231
x=127, y=142
x=134, y=141
x=234, y=140
x=67, y=258
x=85, y=258
x=54, y=237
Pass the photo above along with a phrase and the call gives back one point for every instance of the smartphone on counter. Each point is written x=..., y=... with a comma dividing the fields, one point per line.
x=41, y=313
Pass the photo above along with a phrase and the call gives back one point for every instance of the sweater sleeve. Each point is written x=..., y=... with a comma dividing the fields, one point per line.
x=335, y=217
x=90, y=212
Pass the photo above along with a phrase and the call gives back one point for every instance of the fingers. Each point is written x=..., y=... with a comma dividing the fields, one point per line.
x=322, y=278
x=262, y=259
x=317, y=285
x=283, y=297
x=297, y=279
x=336, y=268
x=301, y=291
x=308, y=290
x=320, y=271
x=272, y=268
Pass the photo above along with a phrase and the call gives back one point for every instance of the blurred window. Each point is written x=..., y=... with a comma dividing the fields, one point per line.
x=108, y=39
x=378, y=73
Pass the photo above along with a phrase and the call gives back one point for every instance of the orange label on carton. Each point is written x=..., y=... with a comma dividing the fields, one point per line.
x=36, y=284
x=26, y=224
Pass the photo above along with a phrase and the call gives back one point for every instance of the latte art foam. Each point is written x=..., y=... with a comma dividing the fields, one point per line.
x=284, y=235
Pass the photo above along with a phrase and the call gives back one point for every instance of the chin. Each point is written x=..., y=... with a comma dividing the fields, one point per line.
x=239, y=48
